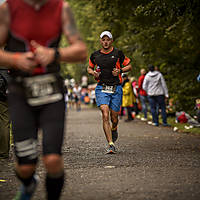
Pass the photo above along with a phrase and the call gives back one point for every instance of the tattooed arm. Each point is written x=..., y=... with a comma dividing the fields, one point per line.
x=77, y=50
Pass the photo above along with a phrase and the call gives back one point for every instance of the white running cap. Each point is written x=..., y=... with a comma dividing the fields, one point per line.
x=107, y=33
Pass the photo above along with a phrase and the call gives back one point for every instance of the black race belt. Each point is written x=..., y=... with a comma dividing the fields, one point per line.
x=42, y=89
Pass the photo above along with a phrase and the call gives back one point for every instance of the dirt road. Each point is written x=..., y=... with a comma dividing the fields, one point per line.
x=152, y=163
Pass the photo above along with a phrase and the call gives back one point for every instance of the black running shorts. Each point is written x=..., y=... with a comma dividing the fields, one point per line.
x=26, y=120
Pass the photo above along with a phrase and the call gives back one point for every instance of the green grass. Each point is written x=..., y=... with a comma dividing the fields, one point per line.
x=181, y=127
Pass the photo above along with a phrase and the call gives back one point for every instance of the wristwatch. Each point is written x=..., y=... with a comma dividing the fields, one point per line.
x=56, y=55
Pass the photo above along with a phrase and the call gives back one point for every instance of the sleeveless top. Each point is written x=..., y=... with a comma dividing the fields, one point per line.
x=27, y=24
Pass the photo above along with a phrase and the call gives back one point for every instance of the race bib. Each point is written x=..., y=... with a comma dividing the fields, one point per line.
x=109, y=88
x=42, y=90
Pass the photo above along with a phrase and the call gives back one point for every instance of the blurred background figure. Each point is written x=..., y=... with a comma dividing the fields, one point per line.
x=128, y=98
x=143, y=94
x=198, y=78
x=92, y=97
x=86, y=99
x=77, y=96
x=197, y=107
x=137, y=104
x=171, y=108
x=70, y=97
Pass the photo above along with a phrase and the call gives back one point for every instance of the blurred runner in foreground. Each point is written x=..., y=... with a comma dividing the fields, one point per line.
x=30, y=30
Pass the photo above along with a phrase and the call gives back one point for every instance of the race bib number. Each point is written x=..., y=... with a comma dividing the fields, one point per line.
x=42, y=90
x=109, y=89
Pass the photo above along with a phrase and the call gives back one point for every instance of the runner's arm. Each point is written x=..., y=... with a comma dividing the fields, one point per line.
x=124, y=61
x=21, y=61
x=92, y=72
x=117, y=71
x=5, y=58
x=77, y=50
x=127, y=68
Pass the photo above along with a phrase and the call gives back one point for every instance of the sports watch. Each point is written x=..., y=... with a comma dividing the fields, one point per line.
x=56, y=55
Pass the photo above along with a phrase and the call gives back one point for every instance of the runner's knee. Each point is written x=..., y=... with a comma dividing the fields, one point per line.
x=114, y=120
x=25, y=171
x=53, y=163
x=105, y=113
x=105, y=116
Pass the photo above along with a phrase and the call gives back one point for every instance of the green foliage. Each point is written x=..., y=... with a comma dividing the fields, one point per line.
x=163, y=32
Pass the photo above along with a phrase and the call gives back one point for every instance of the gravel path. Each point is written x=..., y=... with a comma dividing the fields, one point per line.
x=152, y=163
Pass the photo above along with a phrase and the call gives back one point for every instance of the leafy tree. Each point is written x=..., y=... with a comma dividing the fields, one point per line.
x=165, y=33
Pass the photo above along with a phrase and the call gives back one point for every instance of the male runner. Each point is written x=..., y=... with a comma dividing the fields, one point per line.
x=109, y=62
x=30, y=30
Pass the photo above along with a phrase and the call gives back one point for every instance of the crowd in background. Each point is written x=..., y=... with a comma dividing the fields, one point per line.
x=147, y=94
x=135, y=98
x=77, y=95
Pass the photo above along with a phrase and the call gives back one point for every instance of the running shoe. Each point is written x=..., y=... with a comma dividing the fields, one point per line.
x=166, y=124
x=155, y=124
x=114, y=135
x=111, y=150
x=27, y=193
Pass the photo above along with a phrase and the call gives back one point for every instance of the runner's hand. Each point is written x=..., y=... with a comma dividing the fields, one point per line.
x=24, y=61
x=43, y=55
x=115, y=72
x=96, y=74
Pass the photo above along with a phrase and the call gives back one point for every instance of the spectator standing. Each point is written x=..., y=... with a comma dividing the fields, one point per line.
x=128, y=97
x=92, y=97
x=156, y=88
x=77, y=96
x=70, y=97
x=137, y=106
x=143, y=94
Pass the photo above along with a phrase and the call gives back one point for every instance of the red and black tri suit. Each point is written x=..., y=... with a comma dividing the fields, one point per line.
x=45, y=27
x=27, y=24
